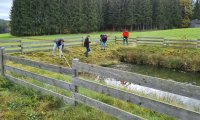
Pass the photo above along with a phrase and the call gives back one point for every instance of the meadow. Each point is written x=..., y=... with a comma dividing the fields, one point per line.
x=181, y=34
x=29, y=104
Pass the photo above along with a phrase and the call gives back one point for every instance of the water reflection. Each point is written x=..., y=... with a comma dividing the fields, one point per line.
x=179, y=76
x=191, y=78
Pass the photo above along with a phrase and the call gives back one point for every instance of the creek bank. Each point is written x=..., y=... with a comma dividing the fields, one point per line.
x=183, y=59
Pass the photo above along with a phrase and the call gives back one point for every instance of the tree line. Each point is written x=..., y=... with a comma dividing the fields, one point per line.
x=4, y=26
x=38, y=17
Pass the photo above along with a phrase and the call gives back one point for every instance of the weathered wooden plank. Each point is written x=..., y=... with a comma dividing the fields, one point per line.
x=143, y=80
x=9, y=41
x=30, y=47
x=2, y=61
x=10, y=46
x=42, y=90
x=71, y=41
x=49, y=67
x=47, y=80
x=184, y=43
x=120, y=38
x=116, y=112
x=132, y=41
x=150, y=38
x=172, y=40
x=155, y=105
x=40, y=42
x=74, y=44
x=32, y=50
x=181, y=46
x=152, y=43
x=12, y=51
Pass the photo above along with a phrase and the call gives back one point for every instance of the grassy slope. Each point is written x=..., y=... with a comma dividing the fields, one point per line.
x=24, y=104
x=188, y=33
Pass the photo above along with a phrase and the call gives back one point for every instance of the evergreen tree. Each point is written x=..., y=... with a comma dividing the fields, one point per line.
x=39, y=17
x=196, y=10
x=186, y=7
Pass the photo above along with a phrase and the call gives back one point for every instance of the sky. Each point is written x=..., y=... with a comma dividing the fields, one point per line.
x=5, y=7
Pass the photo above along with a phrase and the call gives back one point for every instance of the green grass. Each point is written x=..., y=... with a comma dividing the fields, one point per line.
x=24, y=104
x=183, y=34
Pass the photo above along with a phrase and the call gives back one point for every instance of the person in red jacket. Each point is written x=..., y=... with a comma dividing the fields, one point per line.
x=125, y=37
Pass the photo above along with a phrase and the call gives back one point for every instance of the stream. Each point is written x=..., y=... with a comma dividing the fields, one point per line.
x=179, y=76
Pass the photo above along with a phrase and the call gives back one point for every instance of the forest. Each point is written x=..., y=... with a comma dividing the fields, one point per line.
x=44, y=17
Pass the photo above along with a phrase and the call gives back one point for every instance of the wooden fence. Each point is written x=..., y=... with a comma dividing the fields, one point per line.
x=159, y=41
x=77, y=82
x=14, y=46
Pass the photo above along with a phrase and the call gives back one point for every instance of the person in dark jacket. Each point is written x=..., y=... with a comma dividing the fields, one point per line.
x=103, y=42
x=58, y=43
x=87, y=45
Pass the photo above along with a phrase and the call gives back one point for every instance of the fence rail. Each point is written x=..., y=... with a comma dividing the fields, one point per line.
x=147, y=81
x=121, y=114
x=47, y=80
x=49, y=67
x=42, y=90
x=163, y=42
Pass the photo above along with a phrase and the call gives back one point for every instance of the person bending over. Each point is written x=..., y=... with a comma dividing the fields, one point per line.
x=58, y=43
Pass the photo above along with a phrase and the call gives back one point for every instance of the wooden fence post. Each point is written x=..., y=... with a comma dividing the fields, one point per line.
x=198, y=40
x=82, y=41
x=75, y=63
x=164, y=44
x=136, y=40
x=2, y=61
x=115, y=39
x=21, y=46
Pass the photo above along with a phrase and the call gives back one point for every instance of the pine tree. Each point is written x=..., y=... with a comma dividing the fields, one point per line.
x=39, y=17
x=196, y=10
x=186, y=7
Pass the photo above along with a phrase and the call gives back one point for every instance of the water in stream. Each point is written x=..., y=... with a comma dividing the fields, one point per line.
x=179, y=76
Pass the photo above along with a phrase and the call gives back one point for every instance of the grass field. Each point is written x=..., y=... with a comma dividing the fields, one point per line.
x=182, y=34
x=45, y=107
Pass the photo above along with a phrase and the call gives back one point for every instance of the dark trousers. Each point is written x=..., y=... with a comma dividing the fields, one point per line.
x=87, y=51
x=125, y=41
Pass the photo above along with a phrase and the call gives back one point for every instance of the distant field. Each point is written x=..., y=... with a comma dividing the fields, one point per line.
x=182, y=34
